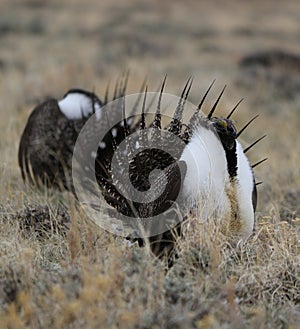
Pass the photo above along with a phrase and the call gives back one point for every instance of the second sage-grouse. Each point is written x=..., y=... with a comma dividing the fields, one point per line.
x=47, y=142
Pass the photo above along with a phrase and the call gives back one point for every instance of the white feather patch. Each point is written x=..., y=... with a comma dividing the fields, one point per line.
x=114, y=132
x=206, y=177
x=244, y=191
x=77, y=105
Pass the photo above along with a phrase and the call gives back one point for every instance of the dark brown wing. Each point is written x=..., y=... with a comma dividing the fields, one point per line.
x=173, y=177
x=163, y=244
x=32, y=148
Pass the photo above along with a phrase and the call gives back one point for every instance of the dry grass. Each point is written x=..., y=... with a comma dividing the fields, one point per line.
x=86, y=278
x=57, y=270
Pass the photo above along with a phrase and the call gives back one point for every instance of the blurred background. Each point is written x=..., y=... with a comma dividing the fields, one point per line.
x=50, y=46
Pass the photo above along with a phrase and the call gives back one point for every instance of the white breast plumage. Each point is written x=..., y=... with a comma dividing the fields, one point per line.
x=206, y=177
x=76, y=105
x=245, y=187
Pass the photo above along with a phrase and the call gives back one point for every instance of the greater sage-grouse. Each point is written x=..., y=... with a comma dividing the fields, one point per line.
x=203, y=168
x=47, y=142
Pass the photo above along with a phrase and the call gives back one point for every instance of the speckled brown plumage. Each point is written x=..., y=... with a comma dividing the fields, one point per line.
x=46, y=146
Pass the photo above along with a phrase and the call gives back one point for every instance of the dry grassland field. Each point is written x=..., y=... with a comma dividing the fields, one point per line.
x=58, y=269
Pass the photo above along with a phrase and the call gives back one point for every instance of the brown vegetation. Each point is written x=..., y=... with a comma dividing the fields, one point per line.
x=57, y=269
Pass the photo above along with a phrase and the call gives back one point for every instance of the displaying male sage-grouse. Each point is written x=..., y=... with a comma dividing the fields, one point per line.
x=47, y=142
x=204, y=170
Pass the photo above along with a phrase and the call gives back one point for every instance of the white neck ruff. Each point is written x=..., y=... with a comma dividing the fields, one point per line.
x=77, y=105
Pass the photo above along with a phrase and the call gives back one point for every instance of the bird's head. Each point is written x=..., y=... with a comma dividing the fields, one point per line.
x=226, y=132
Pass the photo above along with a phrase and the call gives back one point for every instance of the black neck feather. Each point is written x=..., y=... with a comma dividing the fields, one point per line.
x=231, y=157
